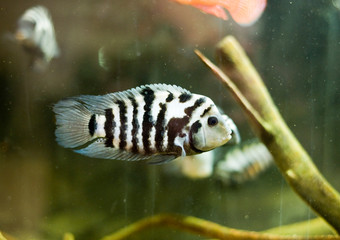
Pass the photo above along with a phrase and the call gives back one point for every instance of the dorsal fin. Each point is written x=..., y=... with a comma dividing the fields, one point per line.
x=97, y=104
x=163, y=87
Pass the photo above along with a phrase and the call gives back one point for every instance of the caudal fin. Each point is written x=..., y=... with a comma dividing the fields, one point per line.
x=72, y=120
x=246, y=12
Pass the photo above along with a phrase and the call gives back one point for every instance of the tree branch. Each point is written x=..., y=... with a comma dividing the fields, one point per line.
x=203, y=228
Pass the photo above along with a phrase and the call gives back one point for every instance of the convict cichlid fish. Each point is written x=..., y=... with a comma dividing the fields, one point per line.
x=36, y=34
x=155, y=122
x=244, y=12
x=243, y=163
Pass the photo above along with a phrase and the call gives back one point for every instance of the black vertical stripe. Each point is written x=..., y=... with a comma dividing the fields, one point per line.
x=135, y=125
x=206, y=111
x=170, y=97
x=160, y=127
x=92, y=125
x=185, y=97
x=109, y=127
x=123, y=124
x=176, y=125
x=198, y=103
x=194, y=129
x=149, y=97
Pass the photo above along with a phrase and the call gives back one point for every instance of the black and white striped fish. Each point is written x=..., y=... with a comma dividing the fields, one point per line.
x=36, y=34
x=155, y=122
x=243, y=163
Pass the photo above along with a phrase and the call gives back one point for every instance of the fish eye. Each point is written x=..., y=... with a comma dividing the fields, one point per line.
x=212, y=121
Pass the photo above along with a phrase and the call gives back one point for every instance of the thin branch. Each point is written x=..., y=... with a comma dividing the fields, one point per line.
x=248, y=108
x=203, y=228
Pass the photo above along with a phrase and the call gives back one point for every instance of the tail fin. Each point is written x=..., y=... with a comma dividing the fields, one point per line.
x=246, y=12
x=72, y=119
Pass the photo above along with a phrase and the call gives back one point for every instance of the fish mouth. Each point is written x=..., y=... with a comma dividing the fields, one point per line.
x=229, y=132
x=225, y=137
x=20, y=36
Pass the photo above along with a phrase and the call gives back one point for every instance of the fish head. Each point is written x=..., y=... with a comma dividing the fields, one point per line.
x=25, y=30
x=210, y=131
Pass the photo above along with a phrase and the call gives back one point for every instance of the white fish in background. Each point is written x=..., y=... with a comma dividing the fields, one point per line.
x=36, y=34
x=155, y=122
x=243, y=163
x=197, y=166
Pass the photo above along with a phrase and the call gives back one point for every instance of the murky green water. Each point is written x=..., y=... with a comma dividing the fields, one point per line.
x=47, y=190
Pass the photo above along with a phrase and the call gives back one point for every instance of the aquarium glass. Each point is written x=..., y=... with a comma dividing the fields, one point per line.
x=106, y=46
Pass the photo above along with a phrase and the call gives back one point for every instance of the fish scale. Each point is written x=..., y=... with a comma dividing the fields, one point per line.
x=158, y=122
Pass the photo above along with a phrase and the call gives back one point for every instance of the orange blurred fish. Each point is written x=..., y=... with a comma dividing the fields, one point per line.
x=244, y=12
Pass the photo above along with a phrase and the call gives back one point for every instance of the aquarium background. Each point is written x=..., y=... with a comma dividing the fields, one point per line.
x=46, y=190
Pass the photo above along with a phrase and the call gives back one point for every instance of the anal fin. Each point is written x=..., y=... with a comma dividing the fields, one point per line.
x=160, y=159
x=97, y=149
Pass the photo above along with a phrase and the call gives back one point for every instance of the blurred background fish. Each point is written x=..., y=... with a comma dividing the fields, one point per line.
x=36, y=34
x=197, y=166
x=102, y=59
x=243, y=162
x=244, y=12
x=233, y=165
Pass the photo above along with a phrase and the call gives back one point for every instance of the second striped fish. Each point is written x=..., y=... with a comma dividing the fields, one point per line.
x=156, y=122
